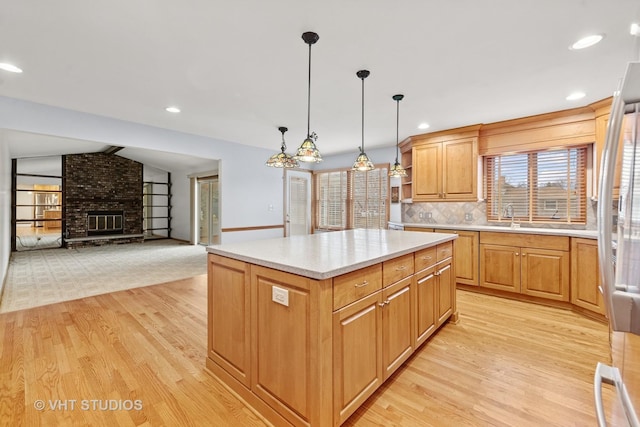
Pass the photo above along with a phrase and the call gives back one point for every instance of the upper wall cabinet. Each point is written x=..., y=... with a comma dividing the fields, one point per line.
x=445, y=165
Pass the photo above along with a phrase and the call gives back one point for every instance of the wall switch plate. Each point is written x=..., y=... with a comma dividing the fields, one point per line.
x=279, y=295
x=468, y=217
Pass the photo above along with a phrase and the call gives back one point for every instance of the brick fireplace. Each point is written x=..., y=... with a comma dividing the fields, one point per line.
x=102, y=199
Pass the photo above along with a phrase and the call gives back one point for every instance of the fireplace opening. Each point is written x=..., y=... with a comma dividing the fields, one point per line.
x=101, y=223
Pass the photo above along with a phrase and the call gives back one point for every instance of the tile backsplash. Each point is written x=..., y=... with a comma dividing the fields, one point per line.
x=474, y=213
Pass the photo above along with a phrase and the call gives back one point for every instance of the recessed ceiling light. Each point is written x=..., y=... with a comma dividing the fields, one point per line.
x=587, y=41
x=575, y=95
x=9, y=67
x=635, y=29
x=173, y=109
x=423, y=126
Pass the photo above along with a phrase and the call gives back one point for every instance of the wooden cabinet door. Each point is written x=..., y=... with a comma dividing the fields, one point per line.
x=466, y=256
x=460, y=163
x=585, y=275
x=500, y=267
x=357, y=354
x=397, y=325
x=427, y=172
x=229, y=335
x=445, y=291
x=545, y=273
x=425, y=305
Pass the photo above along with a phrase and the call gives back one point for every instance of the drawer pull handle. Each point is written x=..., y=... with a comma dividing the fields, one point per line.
x=359, y=285
x=426, y=257
x=402, y=267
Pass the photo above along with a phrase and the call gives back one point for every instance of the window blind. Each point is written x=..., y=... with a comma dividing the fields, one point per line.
x=541, y=186
x=298, y=198
x=331, y=203
x=368, y=197
x=347, y=199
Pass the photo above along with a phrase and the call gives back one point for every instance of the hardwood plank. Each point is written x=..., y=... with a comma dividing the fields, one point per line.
x=505, y=363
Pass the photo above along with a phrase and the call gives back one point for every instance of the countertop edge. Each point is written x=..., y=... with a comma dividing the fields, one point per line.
x=327, y=274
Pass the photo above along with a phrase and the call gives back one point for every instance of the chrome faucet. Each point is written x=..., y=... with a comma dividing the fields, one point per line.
x=509, y=212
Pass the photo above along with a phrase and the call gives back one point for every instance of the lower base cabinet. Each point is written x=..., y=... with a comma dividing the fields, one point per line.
x=533, y=265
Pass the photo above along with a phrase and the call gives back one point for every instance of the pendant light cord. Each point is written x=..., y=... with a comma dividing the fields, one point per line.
x=362, y=146
x=309, y=97
x=397, y=127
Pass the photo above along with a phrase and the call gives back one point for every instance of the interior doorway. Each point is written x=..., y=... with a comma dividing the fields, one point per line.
x=208, y=205
x=297, y=202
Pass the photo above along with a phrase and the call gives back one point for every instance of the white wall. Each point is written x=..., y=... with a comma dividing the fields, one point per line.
x=248, y=188
x=5, y=211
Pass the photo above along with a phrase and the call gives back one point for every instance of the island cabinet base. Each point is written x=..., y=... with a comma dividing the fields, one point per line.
x=307, y=352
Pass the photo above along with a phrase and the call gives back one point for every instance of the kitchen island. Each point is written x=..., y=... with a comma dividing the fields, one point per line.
x=306, y=328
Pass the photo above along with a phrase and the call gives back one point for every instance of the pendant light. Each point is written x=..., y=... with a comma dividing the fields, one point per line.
x=308, y=151
x=362, y=163
x=282, y=159
x=397, y=170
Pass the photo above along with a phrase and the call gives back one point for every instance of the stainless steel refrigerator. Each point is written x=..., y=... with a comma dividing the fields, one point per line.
x=619, y=253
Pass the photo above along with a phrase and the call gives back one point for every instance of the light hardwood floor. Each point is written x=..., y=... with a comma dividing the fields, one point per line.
x=506, y=363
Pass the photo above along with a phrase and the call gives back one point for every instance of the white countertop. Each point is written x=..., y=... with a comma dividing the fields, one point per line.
x=324, y=255
x=587, y=234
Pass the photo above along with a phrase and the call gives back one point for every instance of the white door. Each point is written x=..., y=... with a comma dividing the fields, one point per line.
x=297, y=202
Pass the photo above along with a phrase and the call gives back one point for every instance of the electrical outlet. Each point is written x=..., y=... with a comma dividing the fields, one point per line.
x=468, y=217
x=428, y=215
x=421, y=215
x=279, y=295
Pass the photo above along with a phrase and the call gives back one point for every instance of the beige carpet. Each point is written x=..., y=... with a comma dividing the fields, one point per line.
x=41, y=277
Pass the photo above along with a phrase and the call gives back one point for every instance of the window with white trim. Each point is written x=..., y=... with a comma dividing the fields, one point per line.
x=352, y=199
x=537, y=187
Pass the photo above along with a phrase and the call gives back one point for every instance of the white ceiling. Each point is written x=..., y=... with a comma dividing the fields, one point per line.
x=238, y=69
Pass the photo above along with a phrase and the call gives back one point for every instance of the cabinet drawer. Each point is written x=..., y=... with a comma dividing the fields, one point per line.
x=558, y=243
x=352, y=286
x=397, y=269
x=425, y=258
x=444, y=251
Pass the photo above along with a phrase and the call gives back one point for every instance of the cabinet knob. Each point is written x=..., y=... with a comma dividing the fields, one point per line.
x=517, y=253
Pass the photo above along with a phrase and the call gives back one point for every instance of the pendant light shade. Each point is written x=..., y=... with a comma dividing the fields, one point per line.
x=308, y=152
x=397, y=170
x=282, y=159
x=362, y=163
